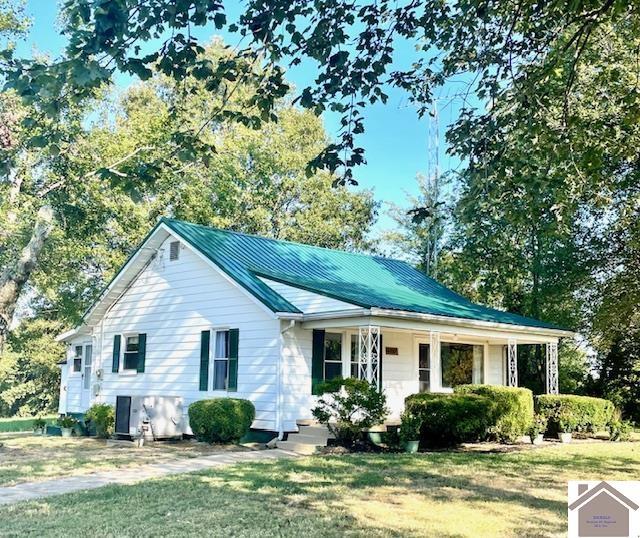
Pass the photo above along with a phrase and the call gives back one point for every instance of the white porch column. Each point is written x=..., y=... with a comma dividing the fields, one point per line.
x=512, y=363
x=552, y=368
x=369, y=353
x=435, y=368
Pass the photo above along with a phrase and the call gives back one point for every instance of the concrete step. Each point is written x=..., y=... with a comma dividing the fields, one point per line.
x=316, y=431
x=307, y=439
x=299, y=448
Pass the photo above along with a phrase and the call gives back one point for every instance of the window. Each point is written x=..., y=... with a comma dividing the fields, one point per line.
x=77, y=359
x=424, y=367
x=221, y=360
x=131, y=352
x=174, y=250
x=332, y=356
x=86, y=378
x=462, y=364
x=355, y=357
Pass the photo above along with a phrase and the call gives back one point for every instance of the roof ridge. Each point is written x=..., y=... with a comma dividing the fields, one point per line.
x=306, y=245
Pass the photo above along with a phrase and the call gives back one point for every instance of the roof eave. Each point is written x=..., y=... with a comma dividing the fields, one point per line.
x=460, y=322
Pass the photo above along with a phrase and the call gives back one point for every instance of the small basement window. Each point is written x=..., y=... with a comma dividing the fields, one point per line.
x=77, y=359
x=174, y=250
x=132, y=347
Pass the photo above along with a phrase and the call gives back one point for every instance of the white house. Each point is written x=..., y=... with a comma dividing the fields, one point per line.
x=198, y=313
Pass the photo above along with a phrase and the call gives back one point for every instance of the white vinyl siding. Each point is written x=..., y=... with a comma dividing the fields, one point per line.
x=172, y=302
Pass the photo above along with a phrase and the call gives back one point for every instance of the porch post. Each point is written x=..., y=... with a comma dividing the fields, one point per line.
x=434, y=362
x=512, y=363
x=369, y=353
x=552, y=367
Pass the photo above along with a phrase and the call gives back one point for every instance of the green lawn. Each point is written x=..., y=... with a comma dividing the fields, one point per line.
x=28, y=458
x=17, y=424
x=435, y=494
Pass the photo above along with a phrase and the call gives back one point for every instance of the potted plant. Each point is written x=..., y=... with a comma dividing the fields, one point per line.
x=39, y=426
x=410, y=432
x=537, y=429
x=566, y=426
x=66, y=423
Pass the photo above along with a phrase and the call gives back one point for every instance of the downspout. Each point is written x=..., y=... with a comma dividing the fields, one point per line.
x=279, y=421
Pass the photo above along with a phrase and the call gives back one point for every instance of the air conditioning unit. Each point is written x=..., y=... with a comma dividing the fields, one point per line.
x=149, y=417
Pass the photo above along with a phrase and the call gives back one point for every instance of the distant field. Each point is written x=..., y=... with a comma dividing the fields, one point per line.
x=21, y=424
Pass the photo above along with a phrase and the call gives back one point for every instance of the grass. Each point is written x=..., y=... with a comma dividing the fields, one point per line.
x=27, y=457
x=446, y=494
x=21, y=424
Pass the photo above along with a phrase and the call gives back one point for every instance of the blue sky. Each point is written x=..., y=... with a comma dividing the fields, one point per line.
x=395, y=140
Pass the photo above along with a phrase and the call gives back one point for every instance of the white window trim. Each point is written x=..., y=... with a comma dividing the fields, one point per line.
x=123, y=348
x=212, y=359
x=344, y=354
x=72, y=371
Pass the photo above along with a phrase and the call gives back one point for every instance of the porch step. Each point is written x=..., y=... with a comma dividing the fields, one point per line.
x=299, y=448
x=307, y=439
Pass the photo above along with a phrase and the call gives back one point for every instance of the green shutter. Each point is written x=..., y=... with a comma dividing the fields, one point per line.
x=234, y=337
x=142, y=351
x=115, y=363
x=317, y=360
x=205, y=337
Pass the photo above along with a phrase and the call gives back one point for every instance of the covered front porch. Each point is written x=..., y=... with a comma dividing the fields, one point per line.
x=407, y=356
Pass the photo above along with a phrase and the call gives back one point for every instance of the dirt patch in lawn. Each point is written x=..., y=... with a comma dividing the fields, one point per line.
x=29, y=458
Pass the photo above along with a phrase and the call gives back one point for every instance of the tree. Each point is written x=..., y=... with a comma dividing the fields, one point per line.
x=29, y=373
x=352, y=43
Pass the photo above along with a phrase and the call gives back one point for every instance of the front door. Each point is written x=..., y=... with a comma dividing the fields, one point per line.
x=87, y=360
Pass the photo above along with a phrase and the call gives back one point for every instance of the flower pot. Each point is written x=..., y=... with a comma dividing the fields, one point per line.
x=564, y=437
x=39, y=431
x=66, y=432
x=537, y=439
x=411, y=447
x=375, y=437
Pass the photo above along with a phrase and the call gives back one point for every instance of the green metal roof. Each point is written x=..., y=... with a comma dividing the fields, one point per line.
x=366, y=281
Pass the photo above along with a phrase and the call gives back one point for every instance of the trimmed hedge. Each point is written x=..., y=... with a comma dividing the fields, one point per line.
x=512, y=412
x=584, y=413
x=221, y=420
x=450, y=419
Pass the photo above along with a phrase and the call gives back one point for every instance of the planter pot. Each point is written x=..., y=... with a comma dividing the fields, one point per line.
x=537, y=439
x=375, y=437
x=39, y=431
x=66, y=432
x=411, y=447
x=564, y=437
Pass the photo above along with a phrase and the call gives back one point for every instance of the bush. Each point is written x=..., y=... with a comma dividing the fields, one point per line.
x=512, y=412
x=409, y=427
x=103, y=418
x=66, y=421
x=574, y=413
x=348, y=406
x=538, y=426
x=221, y=420
x=620, y=430
x=450, y=419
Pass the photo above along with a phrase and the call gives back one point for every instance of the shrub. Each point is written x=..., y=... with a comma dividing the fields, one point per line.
x=512, y=412
x=66, y=421
x=39, y=424
x=409, y=427
x=450, y=419
x=580, y=413
x=102, y=417
x=620, y=430
x=538, y=425
x=348, y=406
x=221, y=420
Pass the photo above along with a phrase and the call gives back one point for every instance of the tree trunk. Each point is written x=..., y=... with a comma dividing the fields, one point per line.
x=14, y=277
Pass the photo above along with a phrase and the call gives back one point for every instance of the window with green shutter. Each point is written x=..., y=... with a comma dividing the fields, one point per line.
x=115, y=363
x=205, y=338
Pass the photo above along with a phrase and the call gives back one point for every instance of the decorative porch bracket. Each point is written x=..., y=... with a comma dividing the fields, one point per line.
x=512, y=363
x=369, y=353
x=552, y=368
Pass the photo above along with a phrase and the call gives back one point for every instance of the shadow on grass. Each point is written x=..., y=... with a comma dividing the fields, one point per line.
x=327, y=497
